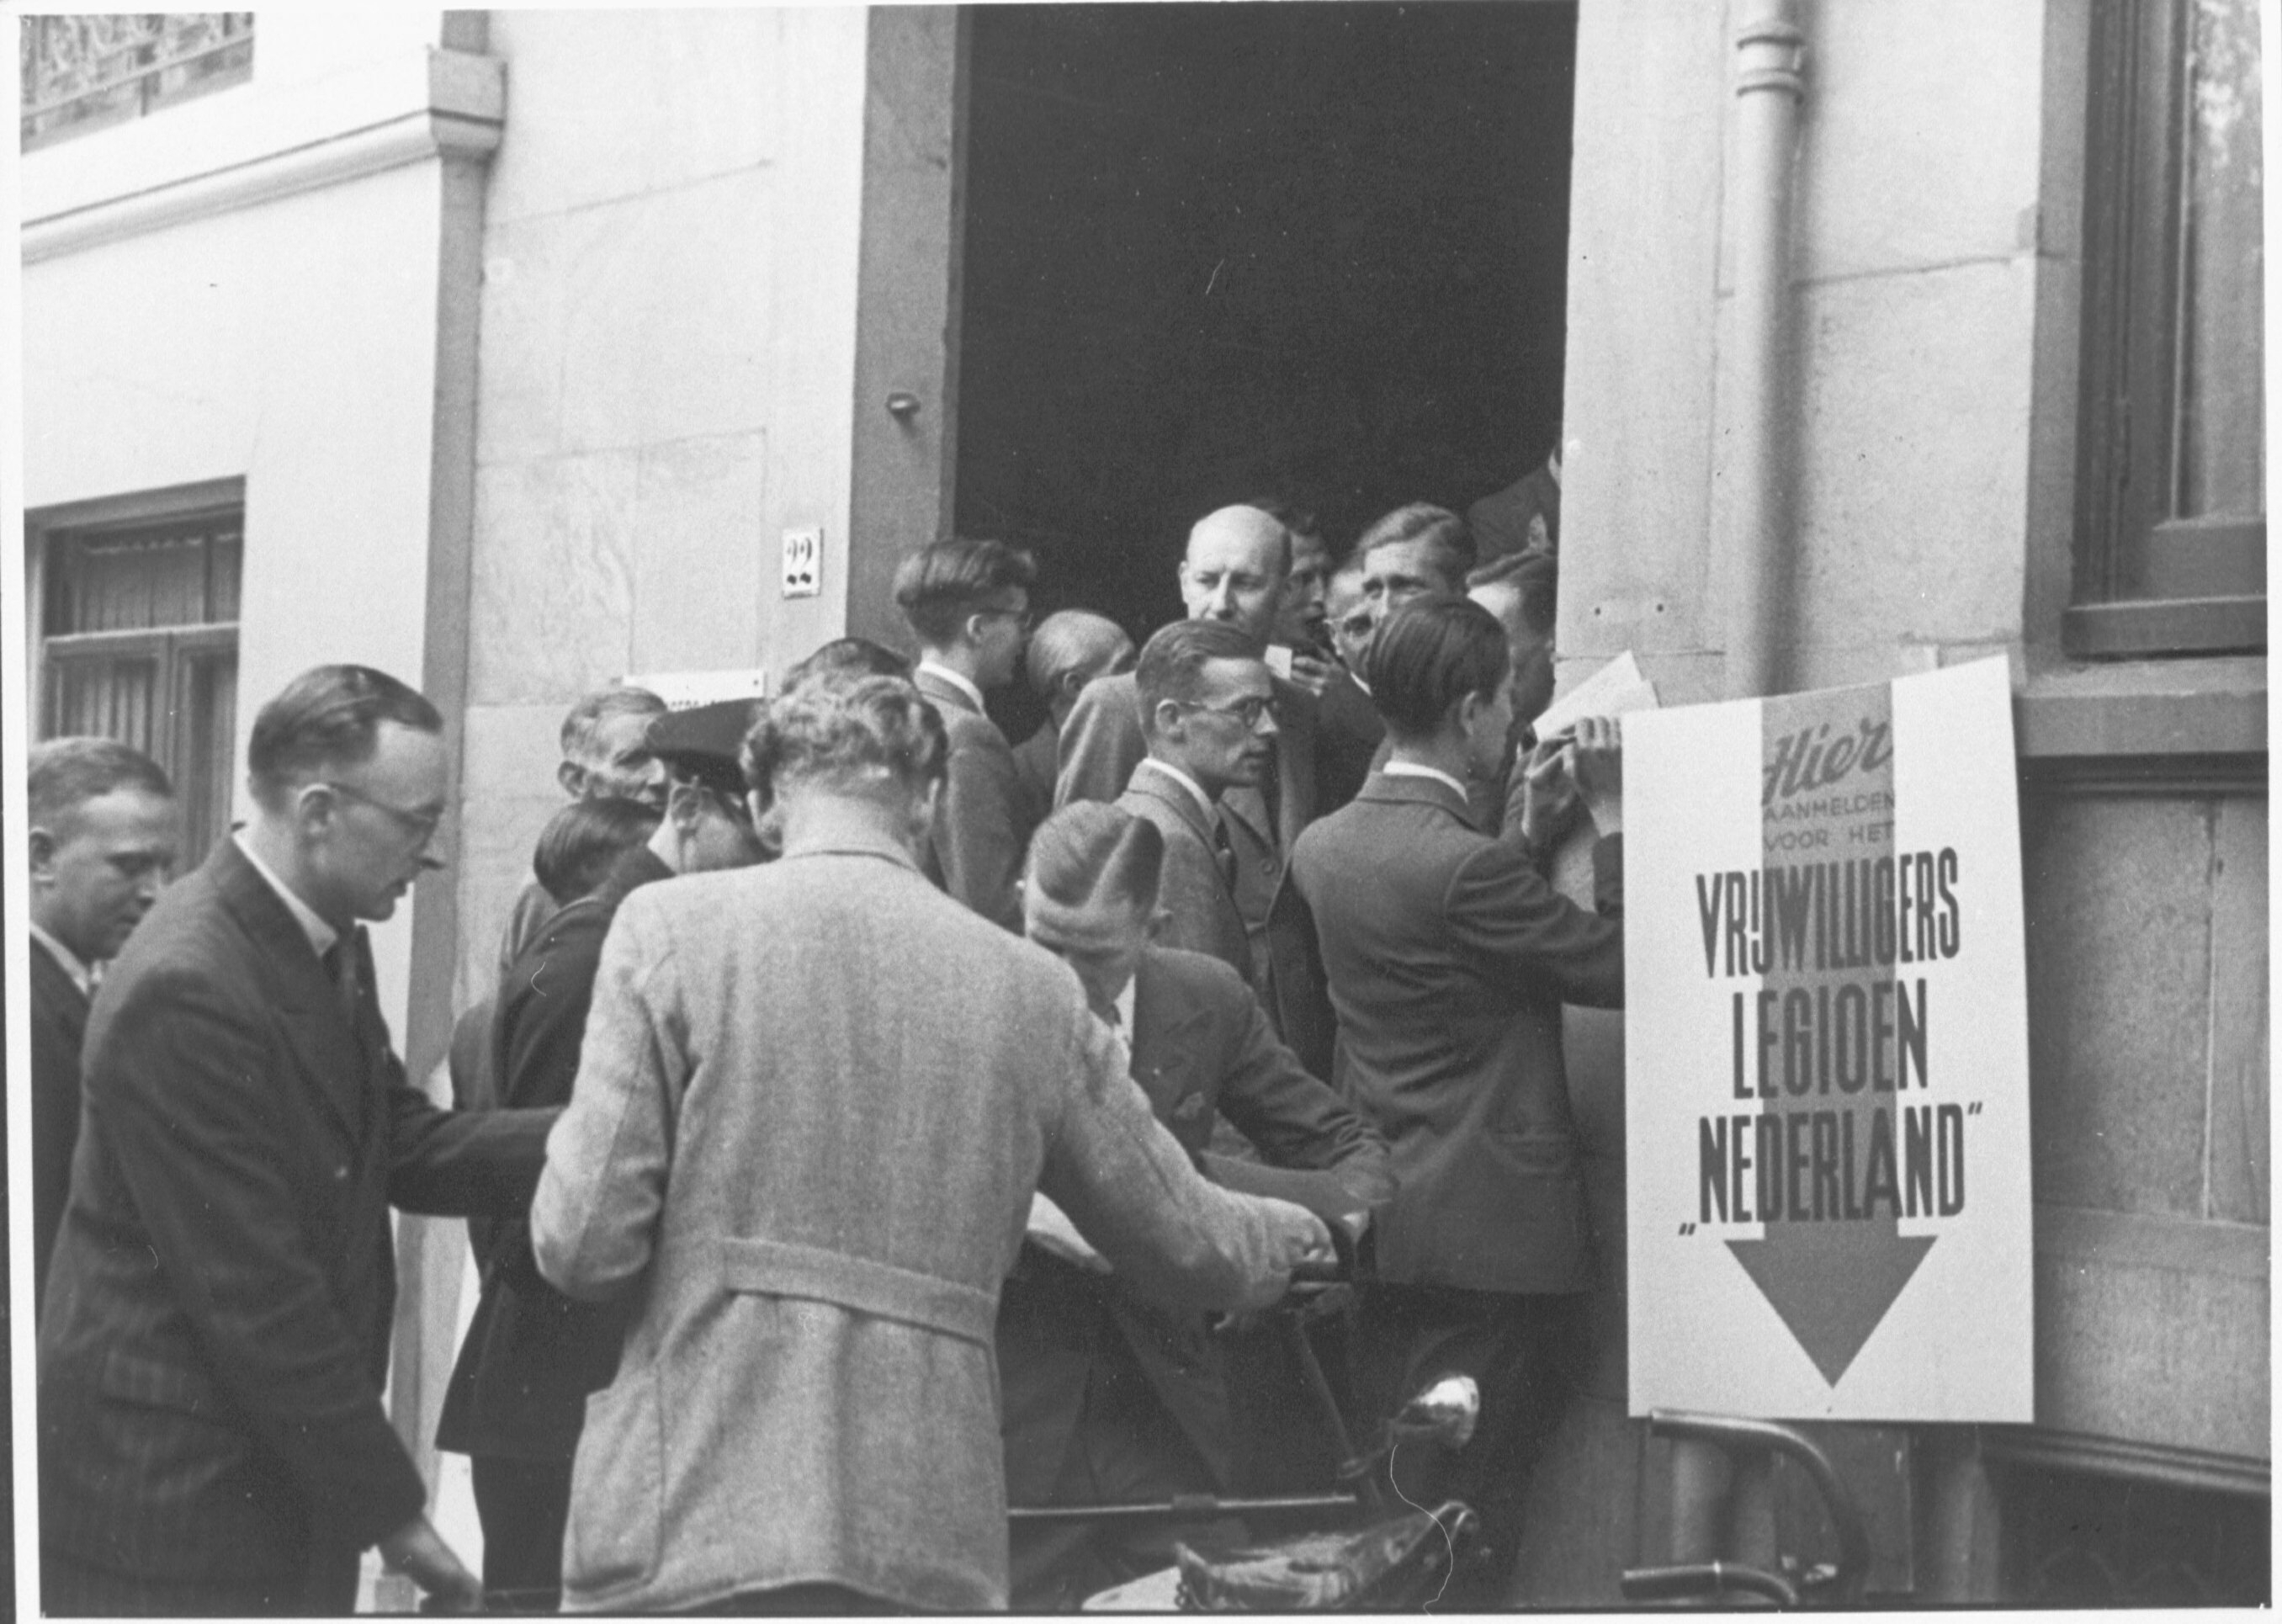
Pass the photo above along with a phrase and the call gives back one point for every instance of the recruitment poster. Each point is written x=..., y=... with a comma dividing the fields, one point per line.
x=1827, y=1089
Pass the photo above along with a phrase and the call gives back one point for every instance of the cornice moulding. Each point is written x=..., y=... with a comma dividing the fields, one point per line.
x=461, y=114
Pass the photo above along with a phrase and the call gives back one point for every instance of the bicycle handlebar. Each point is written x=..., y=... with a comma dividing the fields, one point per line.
x=1853, y=1565
x=1706, y=1580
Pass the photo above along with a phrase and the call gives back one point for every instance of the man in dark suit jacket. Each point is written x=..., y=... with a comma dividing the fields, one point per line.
x=1204, y=696
x=101, y=840
x=516, y=1400
x=1449, y=958
x=1235, y=569
x=1108, y=1397
x=968, y=603
x=216, y=1333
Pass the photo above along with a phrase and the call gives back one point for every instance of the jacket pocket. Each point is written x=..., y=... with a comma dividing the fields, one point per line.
x=618, y=1489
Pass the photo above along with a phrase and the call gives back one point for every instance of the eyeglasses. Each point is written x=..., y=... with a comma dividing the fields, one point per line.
x=1247, y=711
x=1022, y=617
x=423, y=824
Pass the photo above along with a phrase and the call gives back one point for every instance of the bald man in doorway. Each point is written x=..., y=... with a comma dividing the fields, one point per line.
x=1235, y=569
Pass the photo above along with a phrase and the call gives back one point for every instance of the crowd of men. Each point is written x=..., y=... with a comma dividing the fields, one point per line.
x=875, y=1123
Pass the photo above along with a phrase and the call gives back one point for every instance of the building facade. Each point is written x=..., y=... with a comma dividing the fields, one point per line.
x=503, y=350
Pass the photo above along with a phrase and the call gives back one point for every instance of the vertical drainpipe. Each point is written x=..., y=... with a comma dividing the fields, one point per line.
x=1724, y=1507
x=1769, y=49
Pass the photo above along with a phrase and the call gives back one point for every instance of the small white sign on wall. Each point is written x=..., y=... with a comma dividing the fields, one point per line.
x=681, y=689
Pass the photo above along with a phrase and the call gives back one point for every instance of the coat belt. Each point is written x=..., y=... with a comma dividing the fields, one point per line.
x=781, y=1269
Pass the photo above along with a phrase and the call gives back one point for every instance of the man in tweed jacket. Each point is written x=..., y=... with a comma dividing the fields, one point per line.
x=813, y=1105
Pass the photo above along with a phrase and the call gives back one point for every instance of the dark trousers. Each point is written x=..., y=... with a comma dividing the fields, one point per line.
x=72, y=1588
x=1519, y=1349
x=1126, y=1449
x=523, y=1505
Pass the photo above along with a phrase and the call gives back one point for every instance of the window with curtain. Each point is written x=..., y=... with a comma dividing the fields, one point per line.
x=2171, y=555
x=140, y=644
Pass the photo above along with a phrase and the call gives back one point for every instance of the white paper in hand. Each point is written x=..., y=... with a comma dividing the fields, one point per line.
x=1612, y=691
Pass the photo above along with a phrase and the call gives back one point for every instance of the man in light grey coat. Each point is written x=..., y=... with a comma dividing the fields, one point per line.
x=813, y=1105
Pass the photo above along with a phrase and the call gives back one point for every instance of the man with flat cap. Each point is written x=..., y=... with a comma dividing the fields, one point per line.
x=517, y=1397
x=1109, y=1397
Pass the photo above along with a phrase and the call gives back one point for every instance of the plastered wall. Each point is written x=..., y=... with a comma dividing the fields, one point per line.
x=290, y=342
x=1925, y=230
x=666, y=366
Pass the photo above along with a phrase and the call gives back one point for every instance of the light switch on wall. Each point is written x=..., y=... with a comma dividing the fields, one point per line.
x=803, y=562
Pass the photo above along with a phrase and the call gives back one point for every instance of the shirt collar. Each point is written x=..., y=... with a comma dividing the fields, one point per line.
x=1411, y=769
x=1196, y=790
x=1124, y=1002
x=82, y=973
x=322, y=935
x=946, y=674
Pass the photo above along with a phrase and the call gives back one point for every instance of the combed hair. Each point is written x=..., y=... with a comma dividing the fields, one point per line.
x=581, y=842
x=846, y=658
x=1535, y=576
x=328, y=717
x=1173, y=661
x=1427, y=655
x=857, y=738
x=1421, y=521
x=585, y=719
x=938, y=586
x=67, y=773
x=1066, y=640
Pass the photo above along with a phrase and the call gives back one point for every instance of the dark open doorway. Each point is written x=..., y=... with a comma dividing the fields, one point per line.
x=1219, y=251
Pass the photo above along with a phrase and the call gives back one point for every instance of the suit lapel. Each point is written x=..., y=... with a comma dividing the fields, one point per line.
x=1157, y=787
x=334, y=1059
x=1165, y=1060
x=54, y=987
x=1295, y=762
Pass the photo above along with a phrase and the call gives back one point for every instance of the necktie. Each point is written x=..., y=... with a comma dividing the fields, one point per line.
x=1110, y=1019
x=340, y=962
x=1223, y=851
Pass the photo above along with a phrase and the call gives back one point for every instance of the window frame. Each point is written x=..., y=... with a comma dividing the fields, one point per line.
x=177, y=649
x=2146, y=582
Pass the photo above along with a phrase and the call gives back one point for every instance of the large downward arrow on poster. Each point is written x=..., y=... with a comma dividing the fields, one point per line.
x=1829, y=1276
x=1832, y=1283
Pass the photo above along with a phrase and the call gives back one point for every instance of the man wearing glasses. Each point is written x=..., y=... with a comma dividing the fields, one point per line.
x=1235, y=572
x=215, y=1339
x=1207, y=710
x=968, y=603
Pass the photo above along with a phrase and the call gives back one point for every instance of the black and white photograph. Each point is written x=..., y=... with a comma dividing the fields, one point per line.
x=1390, y=807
